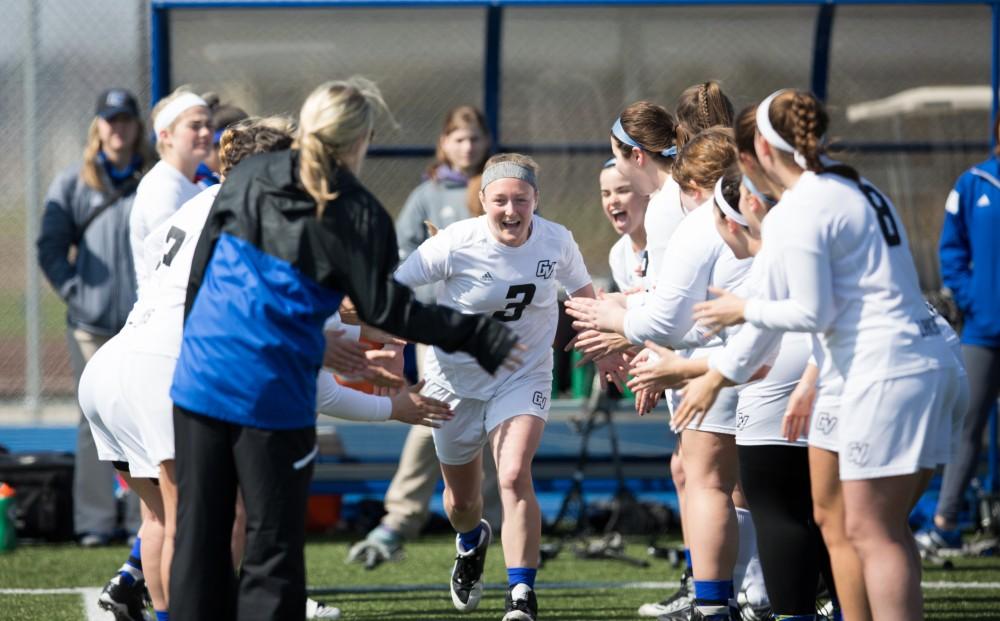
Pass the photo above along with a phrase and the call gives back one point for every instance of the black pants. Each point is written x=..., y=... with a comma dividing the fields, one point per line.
x=775, y=481
x=983, y=366
x=273, y=468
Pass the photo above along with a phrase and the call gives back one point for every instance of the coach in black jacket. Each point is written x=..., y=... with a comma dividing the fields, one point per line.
x=289, y=235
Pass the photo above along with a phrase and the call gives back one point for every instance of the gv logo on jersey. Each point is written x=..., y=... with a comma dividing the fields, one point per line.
x=539, y=399
x=857, y=453
x=545, y=269
x=826, y=423
x=741, y=421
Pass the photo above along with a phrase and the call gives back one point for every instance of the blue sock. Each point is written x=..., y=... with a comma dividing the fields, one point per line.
x=687, y=557
x=837, y=614
x=162, y=615
x=521, y=575
x=470, y=539
x=132, y=569
x=794, y=617
x=712, y=592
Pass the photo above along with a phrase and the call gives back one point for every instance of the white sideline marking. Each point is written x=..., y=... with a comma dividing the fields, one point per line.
x=90, y=607
x=565, y=586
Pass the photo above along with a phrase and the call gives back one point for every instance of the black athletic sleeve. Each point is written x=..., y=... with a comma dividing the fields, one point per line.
x=364, y=259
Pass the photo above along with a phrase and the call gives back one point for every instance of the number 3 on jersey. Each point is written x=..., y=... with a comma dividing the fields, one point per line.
x=521, y=296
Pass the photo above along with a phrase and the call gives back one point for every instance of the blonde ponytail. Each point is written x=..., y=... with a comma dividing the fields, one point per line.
x=333, y=119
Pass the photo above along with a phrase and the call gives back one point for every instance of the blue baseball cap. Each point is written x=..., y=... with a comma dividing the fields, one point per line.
x=115, y=101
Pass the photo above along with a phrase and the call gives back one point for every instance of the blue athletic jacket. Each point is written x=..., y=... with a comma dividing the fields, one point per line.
x=970, y=251
x=265, y=276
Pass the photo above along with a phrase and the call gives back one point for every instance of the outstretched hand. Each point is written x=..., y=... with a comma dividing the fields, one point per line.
x=410, y=407
x=726, y=309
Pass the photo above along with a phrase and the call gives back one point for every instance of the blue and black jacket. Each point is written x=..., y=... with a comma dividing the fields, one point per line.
x=970, y=252
x=265, y=276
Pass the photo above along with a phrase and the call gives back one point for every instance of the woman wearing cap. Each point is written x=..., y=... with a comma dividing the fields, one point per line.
x=87, y=209
x=182, y=123
x=508, y=263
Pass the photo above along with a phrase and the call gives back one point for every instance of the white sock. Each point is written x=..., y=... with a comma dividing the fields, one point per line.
x=747, y=574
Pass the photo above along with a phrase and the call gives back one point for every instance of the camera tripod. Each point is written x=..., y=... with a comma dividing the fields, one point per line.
x=571, y=521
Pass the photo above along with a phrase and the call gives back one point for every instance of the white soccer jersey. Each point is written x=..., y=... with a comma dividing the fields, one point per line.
x=515, y=285
x=663, y=215
x=625, y=263
x=157, y=319
x=160, y=193
x=850, y=276
x=695, y=259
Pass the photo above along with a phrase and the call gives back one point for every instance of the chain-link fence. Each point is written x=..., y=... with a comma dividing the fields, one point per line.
x=56, y=56
x=564, y=74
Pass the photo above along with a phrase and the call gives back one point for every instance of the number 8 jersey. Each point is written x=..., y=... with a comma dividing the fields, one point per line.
x=517, y=285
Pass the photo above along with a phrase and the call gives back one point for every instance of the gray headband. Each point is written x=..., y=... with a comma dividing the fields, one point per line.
x=508, y=170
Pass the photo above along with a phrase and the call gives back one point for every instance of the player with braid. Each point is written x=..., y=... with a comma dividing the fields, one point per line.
x=839, y=266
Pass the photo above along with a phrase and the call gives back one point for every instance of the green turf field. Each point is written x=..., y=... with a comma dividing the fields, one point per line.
x=416, y=588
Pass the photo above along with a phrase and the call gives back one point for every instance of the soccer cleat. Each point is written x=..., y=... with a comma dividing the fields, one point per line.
x=934, y=541
x=374, y=550
x=680, y=600
x=467, y=575
x=521, y=604
x=319, y=610
x=692, y=613
x=127, y=602
x=749, y=612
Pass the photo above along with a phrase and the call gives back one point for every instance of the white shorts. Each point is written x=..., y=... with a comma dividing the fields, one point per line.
x=116, y=432
x=898, y=426
x=459, y=440
x=824, y=423
x=720, y=418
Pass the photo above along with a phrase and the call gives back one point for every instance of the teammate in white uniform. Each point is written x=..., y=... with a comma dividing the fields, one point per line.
x=126, y=388
x=508, y=262
x=850, y=277
x=183, y=127
x=696, y=259
x=626, y=210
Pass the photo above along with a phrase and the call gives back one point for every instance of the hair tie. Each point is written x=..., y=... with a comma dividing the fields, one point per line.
x=724, y=205
x=175, y=108
x=618, y=131
x=608, y=164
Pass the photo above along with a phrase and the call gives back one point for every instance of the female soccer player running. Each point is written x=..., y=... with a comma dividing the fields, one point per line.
x=838, y=252
x=508, y=263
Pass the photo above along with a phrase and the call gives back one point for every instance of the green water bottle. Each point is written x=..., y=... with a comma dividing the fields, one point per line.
x=8, y=535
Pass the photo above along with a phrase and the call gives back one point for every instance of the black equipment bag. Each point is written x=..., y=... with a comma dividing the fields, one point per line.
x=43, y=488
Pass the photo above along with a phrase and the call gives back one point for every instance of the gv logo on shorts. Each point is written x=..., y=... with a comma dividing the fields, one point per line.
x=539, y=399
x=857, y=453
x=545, y=269
x=741, y=421
x=826, y=423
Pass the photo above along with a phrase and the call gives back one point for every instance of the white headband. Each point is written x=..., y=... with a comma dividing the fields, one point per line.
x=726, y=208
x=771, y=135
x=175, y=108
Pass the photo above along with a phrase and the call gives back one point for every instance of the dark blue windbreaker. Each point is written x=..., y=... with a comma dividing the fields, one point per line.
x=267, y=273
